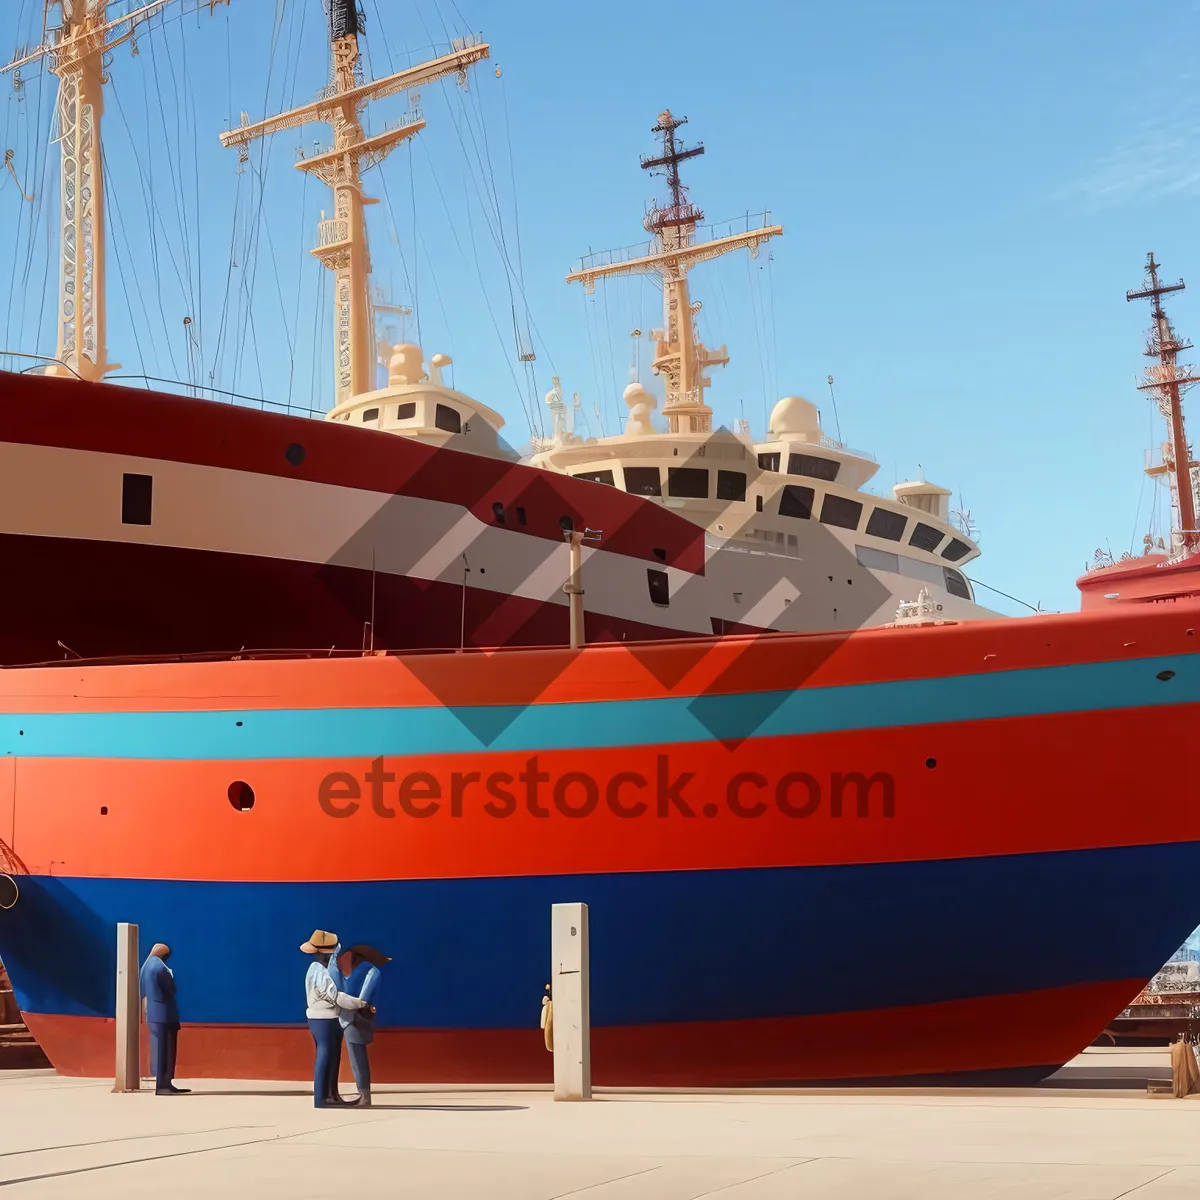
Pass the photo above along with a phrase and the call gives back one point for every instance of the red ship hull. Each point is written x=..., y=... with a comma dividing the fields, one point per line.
x=259, y=530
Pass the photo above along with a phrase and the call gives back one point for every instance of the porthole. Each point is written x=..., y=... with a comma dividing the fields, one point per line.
x=241, y=796
x=294, y=454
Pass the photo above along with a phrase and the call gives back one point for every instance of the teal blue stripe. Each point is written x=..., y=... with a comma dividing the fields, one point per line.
x=367, y=732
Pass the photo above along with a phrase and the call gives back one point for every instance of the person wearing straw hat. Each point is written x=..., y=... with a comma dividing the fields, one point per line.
x=324, y=1002
x=358, y=1027
x=157, y=983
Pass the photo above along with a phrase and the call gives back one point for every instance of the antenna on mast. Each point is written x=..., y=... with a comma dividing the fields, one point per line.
x=679, y=212
x=680, y=355
x=1166, y=382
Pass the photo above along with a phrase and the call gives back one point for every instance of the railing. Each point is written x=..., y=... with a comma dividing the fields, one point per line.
x=414, y=116
x=673, y=214
x=199, y=391
x=747, y=223
x=171, y=387
x=43, y=363
x=332, y=232
x=833, y=444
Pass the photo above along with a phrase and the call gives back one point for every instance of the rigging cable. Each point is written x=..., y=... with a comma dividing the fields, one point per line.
x=416, y=277
x=250, y=257
x=176, y=175
x=489, y=186
x=608, y=344
x=758, y=338
x=587, y=324
x=503, y=252
x=20, y=225
x=774, y=328
x=1014, y=599
x=151, y=207
x=301, y=258
x=120, y=265
x=495, y=323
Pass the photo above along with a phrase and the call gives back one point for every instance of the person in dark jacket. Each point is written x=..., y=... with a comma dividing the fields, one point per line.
x=162, y=1014
x=356, y=971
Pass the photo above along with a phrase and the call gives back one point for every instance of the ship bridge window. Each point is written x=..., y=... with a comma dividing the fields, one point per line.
x=597, y=477
x=660, y=587
x=956, y=583
x=956, y=550
x=877, y=560
x=137, y=499
x=448, y=419
x=813, y=466
x=691, y=482
x=796, y=501
x=769, y=462
x=884, y=523
x=643, y=481
x=731, y=485
x=925, y=537
x=370, y=414
x=927, y=572
x=841, y=511
x=406, y=411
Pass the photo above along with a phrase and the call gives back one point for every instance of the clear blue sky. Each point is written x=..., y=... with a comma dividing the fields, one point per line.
x=966, y=191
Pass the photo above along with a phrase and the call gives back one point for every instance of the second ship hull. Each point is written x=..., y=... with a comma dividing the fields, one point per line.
x=986, y=871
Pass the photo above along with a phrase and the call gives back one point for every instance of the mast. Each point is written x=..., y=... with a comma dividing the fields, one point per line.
x=75, y=51
x=1167, y=382
x=342, y=239
x=680, y=355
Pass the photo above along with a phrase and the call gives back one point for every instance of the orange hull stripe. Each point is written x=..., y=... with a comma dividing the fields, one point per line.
x=1020, y=785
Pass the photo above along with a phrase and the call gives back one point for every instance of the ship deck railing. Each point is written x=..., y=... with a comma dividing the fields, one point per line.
x=171, y=387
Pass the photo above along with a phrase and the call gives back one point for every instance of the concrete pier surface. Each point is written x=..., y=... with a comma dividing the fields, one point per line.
x=1091, y=1133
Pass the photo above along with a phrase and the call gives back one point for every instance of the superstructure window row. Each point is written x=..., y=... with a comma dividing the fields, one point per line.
x=690, y=483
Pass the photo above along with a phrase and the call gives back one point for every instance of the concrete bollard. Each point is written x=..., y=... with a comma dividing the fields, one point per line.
x=572, y=1012
x=128, y=1072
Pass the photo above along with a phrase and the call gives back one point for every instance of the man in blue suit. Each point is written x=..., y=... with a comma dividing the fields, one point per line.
x=162, y=1015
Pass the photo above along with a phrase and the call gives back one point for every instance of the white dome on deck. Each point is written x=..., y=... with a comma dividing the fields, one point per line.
x=797, y=416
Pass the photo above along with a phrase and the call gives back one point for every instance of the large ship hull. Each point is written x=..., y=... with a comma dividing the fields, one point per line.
x=896, y=854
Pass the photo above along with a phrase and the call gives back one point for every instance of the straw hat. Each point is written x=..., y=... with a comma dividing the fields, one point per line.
x=321, y=942
x=373, y=956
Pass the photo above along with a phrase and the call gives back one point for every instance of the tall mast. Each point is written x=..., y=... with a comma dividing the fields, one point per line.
x=680, y=355
x=74, y=51
x=342, y=239
x=1167, y=382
